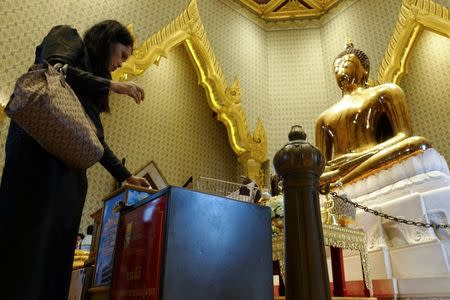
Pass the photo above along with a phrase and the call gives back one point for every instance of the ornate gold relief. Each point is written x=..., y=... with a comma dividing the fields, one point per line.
x=278, y=10
x=281, y=15
x=188, y=30
x=415, y=16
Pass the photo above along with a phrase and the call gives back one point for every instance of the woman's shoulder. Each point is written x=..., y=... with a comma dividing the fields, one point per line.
x=62, y=32
x=62, y=43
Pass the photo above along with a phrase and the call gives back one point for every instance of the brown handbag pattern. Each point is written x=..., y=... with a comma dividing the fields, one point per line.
x=46, y=107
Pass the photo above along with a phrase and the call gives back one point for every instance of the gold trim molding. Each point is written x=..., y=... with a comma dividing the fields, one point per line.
x=188, y=30
x=415, y=17
x=279, y=10
x=292, y=15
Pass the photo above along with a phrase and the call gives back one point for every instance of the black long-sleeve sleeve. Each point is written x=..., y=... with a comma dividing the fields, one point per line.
x=64, y=45
x=86, y=84
x=113, y=165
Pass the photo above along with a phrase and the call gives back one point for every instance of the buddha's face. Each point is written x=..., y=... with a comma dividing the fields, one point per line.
x=348, y=71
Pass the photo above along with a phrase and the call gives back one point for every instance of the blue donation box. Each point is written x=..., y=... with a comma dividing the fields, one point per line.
x=180, y=244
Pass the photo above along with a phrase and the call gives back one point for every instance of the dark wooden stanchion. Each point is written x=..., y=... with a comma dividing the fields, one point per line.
x=300, y=164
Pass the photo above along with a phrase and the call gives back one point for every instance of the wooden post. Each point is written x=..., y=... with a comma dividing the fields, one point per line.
x=300, y=164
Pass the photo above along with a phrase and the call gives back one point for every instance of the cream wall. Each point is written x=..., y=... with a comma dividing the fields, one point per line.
x=296, y=84
x=241, y=47
x=427, y=88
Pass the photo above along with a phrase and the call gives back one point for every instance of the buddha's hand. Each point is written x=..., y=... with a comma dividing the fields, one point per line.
x=327, y=178
x=347, y=159
x=341, y=160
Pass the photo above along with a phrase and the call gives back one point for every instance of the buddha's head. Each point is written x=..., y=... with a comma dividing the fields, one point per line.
x=351, y=68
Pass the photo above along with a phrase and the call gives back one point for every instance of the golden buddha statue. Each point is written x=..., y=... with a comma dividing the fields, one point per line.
x=369, y=129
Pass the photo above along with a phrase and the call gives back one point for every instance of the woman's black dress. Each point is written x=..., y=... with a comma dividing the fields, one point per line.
x=41, y=199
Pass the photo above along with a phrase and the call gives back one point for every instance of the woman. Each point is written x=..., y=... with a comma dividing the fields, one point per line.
x=41, y=199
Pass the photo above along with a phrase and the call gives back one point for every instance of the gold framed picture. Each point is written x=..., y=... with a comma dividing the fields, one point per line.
x=153, y=176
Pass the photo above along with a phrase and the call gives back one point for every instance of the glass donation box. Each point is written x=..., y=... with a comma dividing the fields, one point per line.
x=182, y=244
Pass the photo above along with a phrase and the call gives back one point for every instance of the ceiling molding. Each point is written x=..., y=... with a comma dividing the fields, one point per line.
x=282, y=15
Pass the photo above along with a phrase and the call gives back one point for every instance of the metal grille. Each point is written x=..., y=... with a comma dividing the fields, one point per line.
x=233, y=190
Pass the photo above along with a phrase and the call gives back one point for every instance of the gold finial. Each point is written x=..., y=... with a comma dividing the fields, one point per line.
x=348, y=42
x=350, y=49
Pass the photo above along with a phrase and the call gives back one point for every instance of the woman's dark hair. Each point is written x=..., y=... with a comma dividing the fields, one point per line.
x=98, y=41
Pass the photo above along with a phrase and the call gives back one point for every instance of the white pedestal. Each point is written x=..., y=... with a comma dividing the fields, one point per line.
x=417, y=258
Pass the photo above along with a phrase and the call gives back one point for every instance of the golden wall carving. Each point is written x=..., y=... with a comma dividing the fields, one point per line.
x=415, y=17
x=275, y=10
x=292, y=14
x=188, y=30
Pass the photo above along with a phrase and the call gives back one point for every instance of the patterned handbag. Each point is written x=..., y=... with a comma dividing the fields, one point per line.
x=45, y=106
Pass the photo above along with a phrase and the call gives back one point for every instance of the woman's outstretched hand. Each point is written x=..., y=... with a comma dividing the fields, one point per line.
x=128, y=88
x=140, y=181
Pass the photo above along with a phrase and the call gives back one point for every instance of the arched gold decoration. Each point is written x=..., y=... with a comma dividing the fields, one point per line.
x=278, y=10
x=187, y=29
x=289, y=14
x=415, y=16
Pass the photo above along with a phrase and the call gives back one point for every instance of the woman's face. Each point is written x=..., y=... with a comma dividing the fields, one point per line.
x=119, y=54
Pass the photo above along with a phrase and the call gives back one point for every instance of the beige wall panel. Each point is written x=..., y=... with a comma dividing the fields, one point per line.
x=241, y=49
x=296, y=84
x=427, y=88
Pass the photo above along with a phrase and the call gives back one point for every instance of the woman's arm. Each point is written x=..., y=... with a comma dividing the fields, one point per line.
x=115, y=167
x=85, y=84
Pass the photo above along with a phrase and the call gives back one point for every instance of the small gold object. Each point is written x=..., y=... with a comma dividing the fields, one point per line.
x=80, y=257
x=327, y=212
